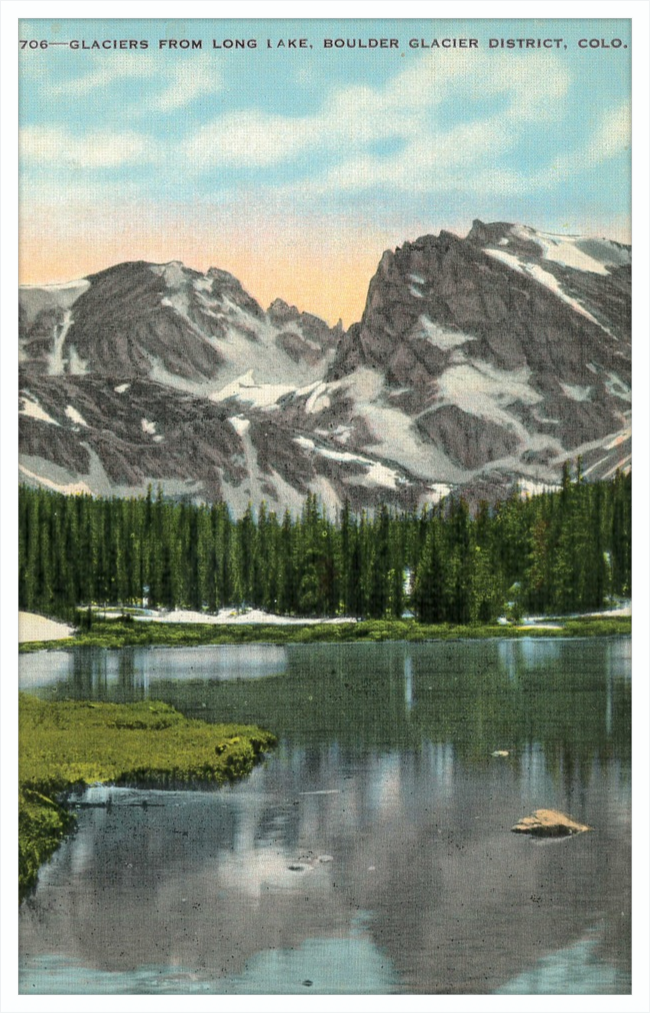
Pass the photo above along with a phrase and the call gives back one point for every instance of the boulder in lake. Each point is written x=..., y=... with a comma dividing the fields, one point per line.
x=549, y=823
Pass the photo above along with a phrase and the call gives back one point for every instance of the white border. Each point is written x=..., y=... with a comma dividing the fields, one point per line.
x=11, y=11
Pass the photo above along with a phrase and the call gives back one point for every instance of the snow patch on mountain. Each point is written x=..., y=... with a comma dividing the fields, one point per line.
x=618, y=439
x=481, y=389
x=239, y=424
x=588, y=471
x=576, y=392
x=61, y=290
x=177, y=301
x=148, y=427
x=34, y=411
x=75, y=416
x=245, y=388
x=438, y=491
x=69, y=488
x=622, y=465
x=258, y=485
x=76, y=365
x=341, y=434
x=318, y=400
x=172, y=273
x=36, y=298
x=326, y=493
x=531, y=487
x=376, y=474
x=56, y=365
x=379, y=474
x=394, y=436
x=614, y=385
x=567, y=251
x=544, y=278
x=442, y=337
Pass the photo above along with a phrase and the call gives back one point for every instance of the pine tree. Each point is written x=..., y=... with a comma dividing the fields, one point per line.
x=429, y=598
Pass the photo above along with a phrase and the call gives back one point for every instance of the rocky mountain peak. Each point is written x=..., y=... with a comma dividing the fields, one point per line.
x=280, y=312
x=477, y=361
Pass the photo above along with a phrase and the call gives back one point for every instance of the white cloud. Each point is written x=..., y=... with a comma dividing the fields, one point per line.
x=101, y=149
x=611, y=137
x=187, y=78
x=613, y=134
x=400, y=136
x=113, y=67
x=252, y=138
x=195, y=77
x=407, y=109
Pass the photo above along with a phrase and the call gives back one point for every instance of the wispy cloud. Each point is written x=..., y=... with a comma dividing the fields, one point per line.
x=423, y=131
x=187, y=78
x=101, y=149
x=612, y=135
x=610, y=138
x=113, y=68
x=194, y=78
x=406, y=117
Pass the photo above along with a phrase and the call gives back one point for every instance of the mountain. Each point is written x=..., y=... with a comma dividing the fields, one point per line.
x=168, y=323
x=478, y=362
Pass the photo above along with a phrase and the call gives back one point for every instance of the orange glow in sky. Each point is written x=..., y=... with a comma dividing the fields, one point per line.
x=319, y=270
x=322, y=267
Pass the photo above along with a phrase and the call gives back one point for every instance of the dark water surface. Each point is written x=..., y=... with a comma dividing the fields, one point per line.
x=372, y=851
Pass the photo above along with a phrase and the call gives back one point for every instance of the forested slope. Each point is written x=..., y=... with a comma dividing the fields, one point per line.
x=560, y=551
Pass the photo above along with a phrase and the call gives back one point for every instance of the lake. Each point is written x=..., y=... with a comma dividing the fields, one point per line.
x=372, y=851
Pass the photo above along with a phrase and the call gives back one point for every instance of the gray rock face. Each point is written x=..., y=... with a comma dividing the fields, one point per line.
x=469, y=441
x=164, y=321
x=494, y=298
x=478, y=362
x=508, y=343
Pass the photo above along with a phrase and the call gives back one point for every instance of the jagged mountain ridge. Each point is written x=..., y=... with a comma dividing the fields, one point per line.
x=477, y=362
x=169, y=323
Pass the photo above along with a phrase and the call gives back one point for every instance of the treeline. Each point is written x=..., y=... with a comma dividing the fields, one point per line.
x=560, y=551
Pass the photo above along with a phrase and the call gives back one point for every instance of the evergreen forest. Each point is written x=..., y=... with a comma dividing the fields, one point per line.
x=557, y=552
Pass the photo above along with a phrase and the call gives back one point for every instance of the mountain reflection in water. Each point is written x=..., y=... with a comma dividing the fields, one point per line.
x=384, y=766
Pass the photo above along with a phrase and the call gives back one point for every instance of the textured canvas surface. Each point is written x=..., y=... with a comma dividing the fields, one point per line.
x=325, y=404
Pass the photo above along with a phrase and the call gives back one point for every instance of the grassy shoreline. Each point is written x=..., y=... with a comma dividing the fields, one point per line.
x=67, y=745
x=116, y=633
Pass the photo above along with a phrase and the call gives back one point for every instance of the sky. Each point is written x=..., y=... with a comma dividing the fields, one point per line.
x=295, y=168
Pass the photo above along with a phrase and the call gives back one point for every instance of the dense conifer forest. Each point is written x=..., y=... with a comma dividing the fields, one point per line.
x=556, y=552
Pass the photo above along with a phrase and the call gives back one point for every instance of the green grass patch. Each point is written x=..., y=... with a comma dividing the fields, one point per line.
x=113, y=633
x=76, y=743
x=608, y=626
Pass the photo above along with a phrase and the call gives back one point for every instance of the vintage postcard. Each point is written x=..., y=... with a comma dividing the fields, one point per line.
x=325, y=539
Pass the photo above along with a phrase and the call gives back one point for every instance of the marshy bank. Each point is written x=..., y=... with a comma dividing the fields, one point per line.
x=129, y=632
x=71, y=744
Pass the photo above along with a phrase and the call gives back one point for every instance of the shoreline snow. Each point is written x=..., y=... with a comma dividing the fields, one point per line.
x=34, y=627
x=232, y=617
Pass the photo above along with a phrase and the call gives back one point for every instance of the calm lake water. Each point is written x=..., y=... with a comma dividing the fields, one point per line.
x=371, y=852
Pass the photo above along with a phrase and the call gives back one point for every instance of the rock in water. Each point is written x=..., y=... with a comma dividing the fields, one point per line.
x=549, y=823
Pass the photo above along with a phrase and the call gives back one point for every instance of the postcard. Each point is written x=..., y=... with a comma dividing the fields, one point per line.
x=325, y=509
